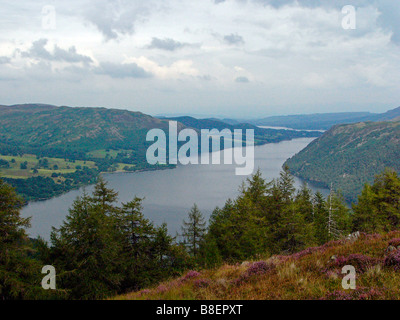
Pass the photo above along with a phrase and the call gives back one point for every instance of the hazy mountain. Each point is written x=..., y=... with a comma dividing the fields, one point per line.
x=323, y=121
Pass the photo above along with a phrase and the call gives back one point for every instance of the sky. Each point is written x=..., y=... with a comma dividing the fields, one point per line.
x=226, y=58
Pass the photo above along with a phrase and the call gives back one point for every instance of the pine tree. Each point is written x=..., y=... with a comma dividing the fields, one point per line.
x=286, y=184
x=303, y=203
x=211, y=256
x=321, y=213
x=19, y=274
x=365, y=216
x=387, y=199
x=104, y=197
x=87, y=248
x=193, y=230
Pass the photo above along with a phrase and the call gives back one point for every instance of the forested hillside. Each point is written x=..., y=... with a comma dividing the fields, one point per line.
x=72, y=132
x=348, y=156
x=47, y=150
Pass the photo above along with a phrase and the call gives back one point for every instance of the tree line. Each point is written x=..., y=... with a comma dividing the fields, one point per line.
x=270, y=218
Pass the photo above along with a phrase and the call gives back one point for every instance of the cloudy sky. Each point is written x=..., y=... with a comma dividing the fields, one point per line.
x=233, y=58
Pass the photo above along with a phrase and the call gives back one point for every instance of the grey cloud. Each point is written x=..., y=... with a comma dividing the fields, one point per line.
x=233, y=39
x=167, y=44
x=39, y=51
x=114, y=18
x=4, y=60
x=242, y=80
x=120, y=71
x=205, y=77
x=389, y=20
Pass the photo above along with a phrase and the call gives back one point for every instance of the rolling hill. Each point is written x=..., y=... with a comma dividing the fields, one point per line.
x=261, y=135
x=42, y=127
x=46, y=150
x=349, y=156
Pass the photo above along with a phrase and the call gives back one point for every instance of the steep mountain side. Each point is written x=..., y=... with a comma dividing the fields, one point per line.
x=315, y=273
x=349, y=155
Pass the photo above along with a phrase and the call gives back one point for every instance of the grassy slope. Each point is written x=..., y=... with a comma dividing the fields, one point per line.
x=350, y=155
x=310, y=274
x=15, y=172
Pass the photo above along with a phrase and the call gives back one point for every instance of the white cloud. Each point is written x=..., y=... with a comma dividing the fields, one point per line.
x=176, y=70
x=157, y=55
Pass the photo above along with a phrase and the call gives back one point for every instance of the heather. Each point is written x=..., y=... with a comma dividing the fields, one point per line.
x=311, y=274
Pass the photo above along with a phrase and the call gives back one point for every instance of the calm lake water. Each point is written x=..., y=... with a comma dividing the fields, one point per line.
x=169, y=194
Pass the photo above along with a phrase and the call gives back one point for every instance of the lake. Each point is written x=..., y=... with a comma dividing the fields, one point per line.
x=169, y=194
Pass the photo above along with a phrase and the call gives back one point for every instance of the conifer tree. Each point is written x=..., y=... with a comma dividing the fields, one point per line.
x=321, y=213
x=378, y=207
x=365, y=214
x=387, y=199
x=193, y=230
x=303, y=203
x=19, y=274
x=87, y=247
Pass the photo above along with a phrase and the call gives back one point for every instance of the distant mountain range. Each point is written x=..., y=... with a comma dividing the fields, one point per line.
x=322, y=121
x=350, y=155
x=65, y=131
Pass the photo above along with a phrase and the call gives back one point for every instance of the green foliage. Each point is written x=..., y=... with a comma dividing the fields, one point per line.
x=349, y=156
x=103, y=249
x=193, y=230
x=39, y=188
x=19, y=274
x=378, y=207
x=271, y=217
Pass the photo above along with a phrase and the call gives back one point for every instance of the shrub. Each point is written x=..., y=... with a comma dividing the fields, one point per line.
x=307, y=251
x=360, y=262
x=255, y=269
x=190, y=275
x=395, y=242
x=361, y=293
x=337, y=295
x=259, y=268
x=393, y=260
x=202, y=283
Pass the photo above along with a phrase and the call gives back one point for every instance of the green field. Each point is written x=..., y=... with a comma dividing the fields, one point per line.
x=102, y=153
x=63, y=166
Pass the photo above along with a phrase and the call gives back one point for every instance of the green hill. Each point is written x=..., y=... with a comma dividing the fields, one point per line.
x=314, y=273
x=46, y=150
x=261, y=135
x=348, y=156
x=36, y=128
